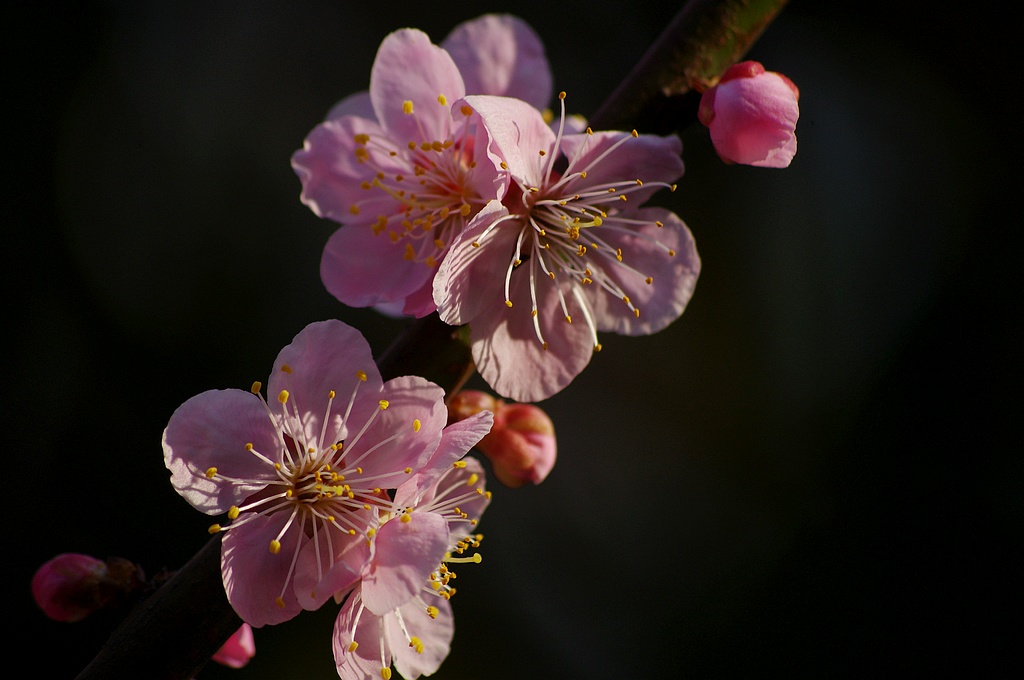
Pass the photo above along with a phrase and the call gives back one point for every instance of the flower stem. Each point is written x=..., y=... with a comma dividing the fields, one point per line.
x=660, y=95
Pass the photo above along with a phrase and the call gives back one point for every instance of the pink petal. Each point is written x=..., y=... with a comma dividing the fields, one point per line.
x=673, y=277
x=406, y=552
x=323, y=356
x=649, y=158
x=456, y=440
x=517, y=134
x=409, y=399
x=253, y=577
x=342, y=558
x=358, y=104
x=435, y=634
x=409, y=67
x=210, y=430
x=239, y=648
x=501, y=55
x=364, y=662
x=362, y=269
x=332, y=176
x=508, y=353
x=468, y=279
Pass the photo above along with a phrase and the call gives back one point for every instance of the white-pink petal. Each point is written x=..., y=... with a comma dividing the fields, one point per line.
x=407, y=550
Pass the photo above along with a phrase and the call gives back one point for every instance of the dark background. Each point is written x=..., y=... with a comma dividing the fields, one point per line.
x=816, y=471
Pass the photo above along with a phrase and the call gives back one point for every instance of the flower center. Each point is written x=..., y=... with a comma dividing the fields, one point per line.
x=430, y=181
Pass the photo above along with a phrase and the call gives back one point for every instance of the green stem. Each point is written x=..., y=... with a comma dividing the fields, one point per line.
x=661, y=93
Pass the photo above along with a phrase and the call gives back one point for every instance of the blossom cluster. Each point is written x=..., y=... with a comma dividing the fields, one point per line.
x=457, y=195
x=339, y=486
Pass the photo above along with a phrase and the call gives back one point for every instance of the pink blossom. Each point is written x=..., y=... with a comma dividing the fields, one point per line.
x=567, y=253
x=239, y=648
x=401, y=169
x=752, y=115
x=521, y=444
x=412, y=626
x=301, y=477
x=68, y=587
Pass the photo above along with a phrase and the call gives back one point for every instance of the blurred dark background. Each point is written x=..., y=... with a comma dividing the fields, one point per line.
x=816, y=471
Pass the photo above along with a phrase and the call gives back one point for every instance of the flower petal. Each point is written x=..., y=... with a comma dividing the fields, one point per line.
x=409, y=68
x=253, y=577
x=407, y=551
x=210, y=430
x=499, y=54
x=518, y=136
x=673, y=277
x=366, y=630
x=435, y=634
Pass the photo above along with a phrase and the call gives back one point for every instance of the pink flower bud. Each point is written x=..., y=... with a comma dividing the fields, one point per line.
x=67, y=588
x=239, y=648
x=752, y=116
x=521, y=444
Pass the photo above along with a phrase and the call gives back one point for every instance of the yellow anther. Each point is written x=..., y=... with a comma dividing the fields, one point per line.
x=625, y=298
x=466, y=110
x=371, y=532
x=353, y=646
x=473, y=479
x=407, y=470
x=283, y=397
x=430, y=261
x=442, y=100
x=437, y=146
x=504, y=165
x=636, y=313
x=210, y=472
x=256, y=387
x=598, y=221
x=361, y=375
x=416, y=425
x=233, y=512
x=331, y=394
x=671, y=253
x=214, y=529
x=384, y=403
x=648, y=280
x=385, y=673
x=406, y=518
x=416, y=644
x=639, y=183
x=432, y=611
x=659, y=224
x=362, y=155
x=444, y=212
x=543, y=152
x=351, y=532
x=361, y=138
x=561, y=95
x=508, y=303
x=439, y=243
x=635, y=133
x=407, y=107
x=275, y=547
x=459, y=464
x=465, y=209
x=279, y=602
x=672, y=188
x=412, y=146
x=354, y=209
x=410, y=254
x=589, y=130
x=533, y=312
x=568, y=318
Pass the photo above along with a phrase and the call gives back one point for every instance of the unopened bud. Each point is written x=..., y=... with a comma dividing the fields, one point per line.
x=239, y=648
x=752, y=115
x=71, y=585
x=521, y=444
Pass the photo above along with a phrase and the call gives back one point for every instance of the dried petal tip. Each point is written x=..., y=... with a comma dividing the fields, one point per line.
x=521, y=444
x=752, y=116
x=71, y=585
x=239, y=648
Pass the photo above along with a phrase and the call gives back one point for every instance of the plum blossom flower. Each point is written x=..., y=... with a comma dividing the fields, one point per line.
x=413, y=627
x=301, y=476
x=401, y=168
x=752, y=115
x=568, y=252
x=521, y=444
x=238, y=650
